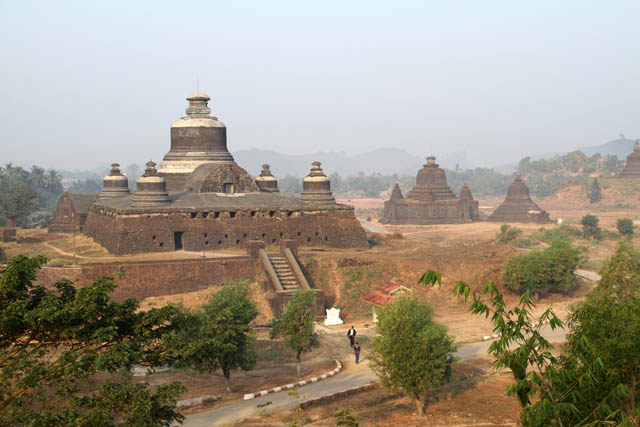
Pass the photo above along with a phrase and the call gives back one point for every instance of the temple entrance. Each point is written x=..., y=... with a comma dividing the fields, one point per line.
x=228, y=188
x=177, y=240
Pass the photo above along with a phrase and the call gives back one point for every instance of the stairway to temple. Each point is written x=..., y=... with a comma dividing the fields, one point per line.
x=284, y=272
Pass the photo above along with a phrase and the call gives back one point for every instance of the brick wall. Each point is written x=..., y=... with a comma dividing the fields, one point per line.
x=158, y=232
x=152, y=278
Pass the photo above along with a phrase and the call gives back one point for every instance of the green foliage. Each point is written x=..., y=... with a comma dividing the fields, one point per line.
x=296, y=324
x=600, y=363
x=590, y=228
x=595, y=379
x=595, y=193
x=89, y=185
x=625, y=226
x=562, y=232
x=543, y=272
x=508, y=234
x=412, y=354
x=54, y=342
x=23, y=192
x=345, y=419
x=220, y=336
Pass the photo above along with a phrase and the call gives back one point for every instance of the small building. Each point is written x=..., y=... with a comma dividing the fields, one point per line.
x=384, y=294
x=632, y=166
x=518, y=206
x=430, y=201
x=72, y=210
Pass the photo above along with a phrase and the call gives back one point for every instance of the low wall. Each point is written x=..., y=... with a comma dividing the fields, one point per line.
x=152, y=278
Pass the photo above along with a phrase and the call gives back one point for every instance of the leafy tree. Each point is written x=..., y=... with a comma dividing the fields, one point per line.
x=595, y=193
x=621, y=272
x=54, y=342
x=411, y=354
x=296, y=324
x=17, y=200
x=590, y=228
x=625, y=226
x=220, y=336
x=543, y=272
x=594, y=380
x=88, y=185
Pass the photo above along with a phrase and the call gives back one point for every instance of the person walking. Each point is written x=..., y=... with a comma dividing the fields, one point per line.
x=356, y=350
x=352, y=335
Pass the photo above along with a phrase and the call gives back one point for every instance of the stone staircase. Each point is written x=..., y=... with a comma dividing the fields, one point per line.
x=284, y=272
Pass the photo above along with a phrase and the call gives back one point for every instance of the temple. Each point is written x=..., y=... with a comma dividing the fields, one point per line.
x=199, y=198
x=71, y=213
x=632, y=166
x=430, y=201
x=518, y=206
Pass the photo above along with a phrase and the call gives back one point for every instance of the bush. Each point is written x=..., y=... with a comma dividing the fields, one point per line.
x=543, y=272
x=508, y=234
x=564, y=232
x=595, y=194
x=590, y=228
x=625, y=226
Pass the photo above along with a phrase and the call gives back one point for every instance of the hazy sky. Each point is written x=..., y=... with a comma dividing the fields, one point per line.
x=86, y=83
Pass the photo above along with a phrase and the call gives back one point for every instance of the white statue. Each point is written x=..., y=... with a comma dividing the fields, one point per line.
x=559, y=221
x=333, y=317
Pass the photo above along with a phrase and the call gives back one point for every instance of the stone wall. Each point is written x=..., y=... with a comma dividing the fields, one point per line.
x=153, y=278
x=123, y=233
x=456, y=211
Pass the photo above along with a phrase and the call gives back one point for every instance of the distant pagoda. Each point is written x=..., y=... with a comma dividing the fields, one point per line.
x=632, y=167
x=518, y=206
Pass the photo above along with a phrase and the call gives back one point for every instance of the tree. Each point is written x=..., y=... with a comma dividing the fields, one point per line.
x=220, y=336
x=625, y=226
x=411, y=355
x=542, y=272
x=54, y=342
x=296, y=324
x=17, y=200
x=571, y=389
x=590, y=229
x=595, y=193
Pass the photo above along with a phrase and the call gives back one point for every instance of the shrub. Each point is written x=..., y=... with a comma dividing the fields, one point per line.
x=590, y=228
x=565, y=232
x=543, y=272
x=625, y=226
x=595, y=194
x=508, y=234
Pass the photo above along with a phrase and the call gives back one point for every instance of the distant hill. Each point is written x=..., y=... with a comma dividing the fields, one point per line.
x=620, y=147
x=386, y=161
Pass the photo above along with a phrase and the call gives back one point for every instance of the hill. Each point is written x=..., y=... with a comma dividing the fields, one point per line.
x=616, y=192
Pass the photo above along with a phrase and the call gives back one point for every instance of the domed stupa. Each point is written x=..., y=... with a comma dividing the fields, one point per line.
x=267, y=183
x=431, y=183
x=151, y=188
x=518, y=206
x=632, y=166
x=196, y=139
x=115, y=184
x=316, y=186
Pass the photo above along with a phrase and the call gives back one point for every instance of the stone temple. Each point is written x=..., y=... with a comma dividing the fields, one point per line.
x=199, y=198
x=518, y=206
x=632, y=166
x=430, y=201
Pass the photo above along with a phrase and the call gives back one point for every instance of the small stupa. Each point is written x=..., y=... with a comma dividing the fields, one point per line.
x=632, y=167
x=266, y=182
x=518, y=206
x=316, y=186
x=115, y=184
x=151, y=188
